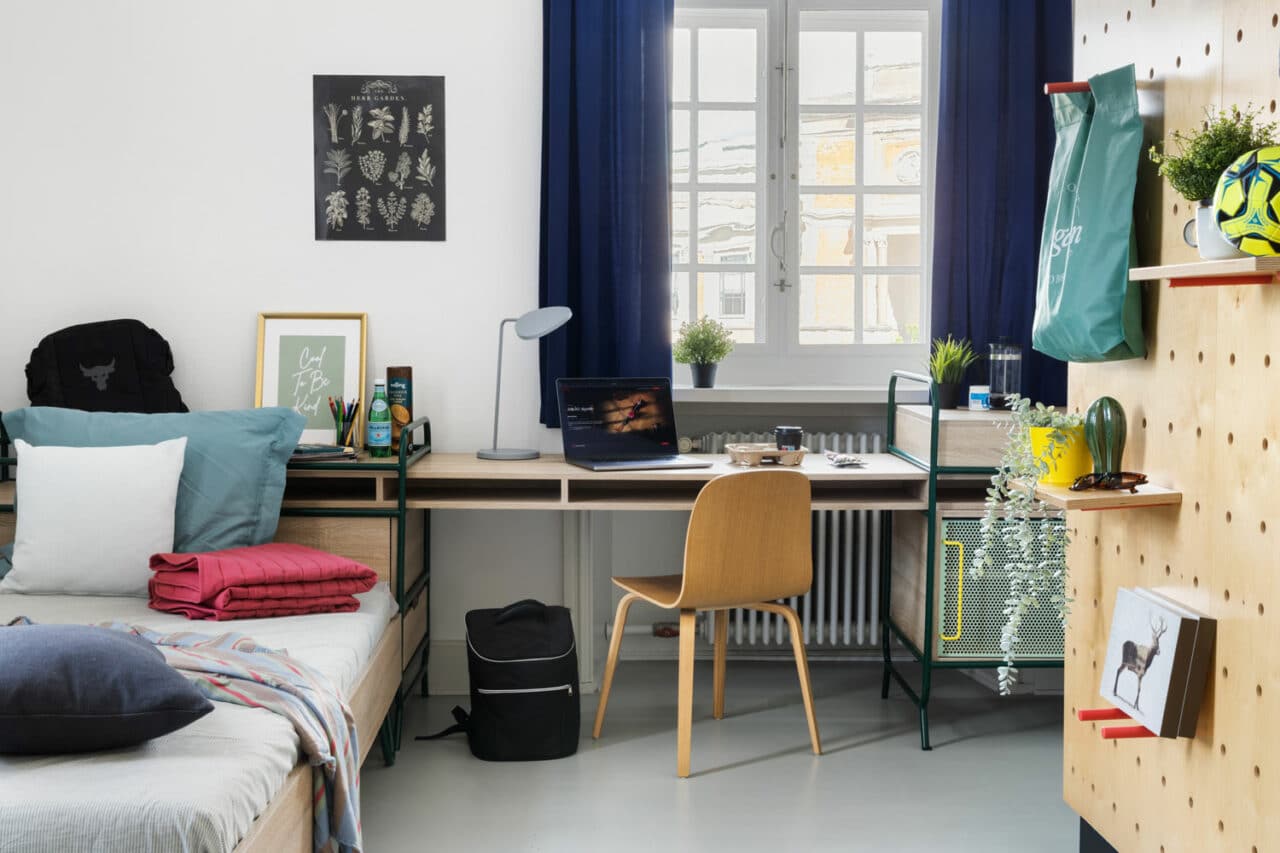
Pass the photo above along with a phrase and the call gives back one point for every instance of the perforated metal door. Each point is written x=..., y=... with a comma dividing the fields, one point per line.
x=976, y=625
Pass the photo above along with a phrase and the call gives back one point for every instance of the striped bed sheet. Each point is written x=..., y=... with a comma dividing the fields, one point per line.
x=198, y=789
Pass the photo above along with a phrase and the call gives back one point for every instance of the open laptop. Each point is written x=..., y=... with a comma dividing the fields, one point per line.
x=620, y=424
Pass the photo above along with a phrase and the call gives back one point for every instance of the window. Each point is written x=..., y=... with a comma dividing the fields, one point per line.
x=801, y=179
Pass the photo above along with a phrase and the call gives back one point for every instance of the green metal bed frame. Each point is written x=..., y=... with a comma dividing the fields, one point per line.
x=390, y=735
x=888, y=629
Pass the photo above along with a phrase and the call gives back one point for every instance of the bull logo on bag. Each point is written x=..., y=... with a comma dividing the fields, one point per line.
x=99, y=374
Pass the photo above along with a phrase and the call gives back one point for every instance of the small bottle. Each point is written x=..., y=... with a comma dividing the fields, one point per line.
x=379, y=433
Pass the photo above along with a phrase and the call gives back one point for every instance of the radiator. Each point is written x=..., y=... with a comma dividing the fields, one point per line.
x=842, y=609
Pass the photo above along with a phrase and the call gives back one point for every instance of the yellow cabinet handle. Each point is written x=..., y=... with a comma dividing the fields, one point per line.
x=959, y=594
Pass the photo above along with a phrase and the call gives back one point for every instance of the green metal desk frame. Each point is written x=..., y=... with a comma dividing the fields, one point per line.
x=390, y=734
x=888, y=629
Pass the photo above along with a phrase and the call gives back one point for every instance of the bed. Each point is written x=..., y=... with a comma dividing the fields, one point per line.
x=230, y=781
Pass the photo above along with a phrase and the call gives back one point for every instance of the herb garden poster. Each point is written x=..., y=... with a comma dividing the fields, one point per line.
x=379, y=158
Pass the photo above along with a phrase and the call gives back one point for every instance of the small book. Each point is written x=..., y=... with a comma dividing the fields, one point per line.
x=1201, y=660
x=321, y=453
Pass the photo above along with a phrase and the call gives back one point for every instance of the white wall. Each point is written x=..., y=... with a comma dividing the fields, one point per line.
x=158, y=165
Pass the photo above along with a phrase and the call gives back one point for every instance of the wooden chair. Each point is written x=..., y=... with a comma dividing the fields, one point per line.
x=748, y=544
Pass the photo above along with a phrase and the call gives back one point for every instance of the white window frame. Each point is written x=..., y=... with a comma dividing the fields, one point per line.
x=780, y=360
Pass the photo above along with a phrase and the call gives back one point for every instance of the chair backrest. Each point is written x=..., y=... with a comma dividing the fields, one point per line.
x=748, y=540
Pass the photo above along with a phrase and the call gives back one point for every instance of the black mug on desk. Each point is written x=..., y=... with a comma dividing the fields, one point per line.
x=789, y=437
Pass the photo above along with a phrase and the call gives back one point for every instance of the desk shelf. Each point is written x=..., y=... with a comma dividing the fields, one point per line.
x=1212, y=273
x=1093, y=500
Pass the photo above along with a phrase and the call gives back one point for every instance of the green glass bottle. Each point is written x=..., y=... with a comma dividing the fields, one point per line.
x=379, y=432
x=1105, y=431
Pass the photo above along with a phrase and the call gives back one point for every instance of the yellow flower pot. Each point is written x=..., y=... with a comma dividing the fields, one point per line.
x=1069, y=462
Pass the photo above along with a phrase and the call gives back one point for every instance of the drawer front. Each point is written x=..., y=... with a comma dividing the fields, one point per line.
x=413, y=627
x=7, y=522
x=365, y=540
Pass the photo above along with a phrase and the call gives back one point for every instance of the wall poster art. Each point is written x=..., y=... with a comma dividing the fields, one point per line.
x=379, y=157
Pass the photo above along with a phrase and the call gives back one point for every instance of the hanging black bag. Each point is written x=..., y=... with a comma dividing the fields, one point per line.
x=524, y=684
x=111, y=366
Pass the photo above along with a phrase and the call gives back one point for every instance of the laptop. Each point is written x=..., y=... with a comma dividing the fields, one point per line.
x=620, y=424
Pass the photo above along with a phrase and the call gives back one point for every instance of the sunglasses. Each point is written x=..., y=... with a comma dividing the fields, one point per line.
x=1115, y=481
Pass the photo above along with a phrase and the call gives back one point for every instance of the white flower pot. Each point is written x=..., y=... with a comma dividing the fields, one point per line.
x=1208, y=240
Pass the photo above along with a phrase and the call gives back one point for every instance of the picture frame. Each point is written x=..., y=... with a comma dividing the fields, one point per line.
x=306, y=358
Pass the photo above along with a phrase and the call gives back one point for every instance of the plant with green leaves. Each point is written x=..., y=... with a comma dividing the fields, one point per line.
x=1203, y=154
x=1034, y=535
x=705, y=341
x=950, y=360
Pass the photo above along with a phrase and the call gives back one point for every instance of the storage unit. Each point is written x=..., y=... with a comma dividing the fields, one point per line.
x=966, y=439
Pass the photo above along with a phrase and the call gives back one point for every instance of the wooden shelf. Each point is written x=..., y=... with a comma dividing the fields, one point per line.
x=1100, y=499
x=1212, y=273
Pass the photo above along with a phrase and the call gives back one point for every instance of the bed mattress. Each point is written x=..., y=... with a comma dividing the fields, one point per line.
x=199, y=788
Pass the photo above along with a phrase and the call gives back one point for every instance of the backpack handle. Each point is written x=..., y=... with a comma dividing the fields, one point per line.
x=526, y=608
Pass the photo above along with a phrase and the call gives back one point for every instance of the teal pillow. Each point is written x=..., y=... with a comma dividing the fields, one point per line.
x=232, y=476
x=6, y=559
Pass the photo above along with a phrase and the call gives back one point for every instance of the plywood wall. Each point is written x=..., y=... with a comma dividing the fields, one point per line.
x=1204, y=417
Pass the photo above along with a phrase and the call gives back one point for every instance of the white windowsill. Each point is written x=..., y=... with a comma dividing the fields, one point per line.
x=829, y=394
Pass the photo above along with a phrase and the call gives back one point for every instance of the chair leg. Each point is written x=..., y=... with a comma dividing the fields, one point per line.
x=615, y=643
x=684, y=703
x=722, y=639
x=802, y=668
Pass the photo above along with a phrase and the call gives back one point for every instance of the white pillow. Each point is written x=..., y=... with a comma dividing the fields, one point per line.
x=89, y=518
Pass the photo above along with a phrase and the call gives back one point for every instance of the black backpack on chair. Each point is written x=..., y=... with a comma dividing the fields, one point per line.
x=111, y=366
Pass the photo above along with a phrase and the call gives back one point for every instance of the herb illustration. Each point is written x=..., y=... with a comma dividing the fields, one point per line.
x=425, y=125
x=332, y=113
x=357, y=115
x=380, y=122
x=423, y=210
x=372, y=164
x=400, y=173
x=363, y=208
x=404, y=127
x=392, y=209
x=335, y=211
x=426, y=171
x=337, y=163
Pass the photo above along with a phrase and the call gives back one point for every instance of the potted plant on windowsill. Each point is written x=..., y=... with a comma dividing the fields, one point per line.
x=702, y=345
x=1203, y=154
x=949, y=361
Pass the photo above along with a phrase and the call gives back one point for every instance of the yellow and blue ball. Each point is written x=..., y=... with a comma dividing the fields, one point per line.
x=1246, y=203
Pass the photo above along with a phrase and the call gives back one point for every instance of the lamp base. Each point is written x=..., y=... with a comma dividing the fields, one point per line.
x=506, y=454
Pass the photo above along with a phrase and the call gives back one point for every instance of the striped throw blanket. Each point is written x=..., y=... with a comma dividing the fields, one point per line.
x=234, y=668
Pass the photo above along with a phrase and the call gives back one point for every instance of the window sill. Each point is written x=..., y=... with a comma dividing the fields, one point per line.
x=827, y=394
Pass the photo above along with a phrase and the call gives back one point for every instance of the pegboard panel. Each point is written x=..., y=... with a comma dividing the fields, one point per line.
x=1204, y=417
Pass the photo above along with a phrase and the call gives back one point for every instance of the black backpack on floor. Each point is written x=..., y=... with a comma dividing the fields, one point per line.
x=112, y=366
x=524, y=684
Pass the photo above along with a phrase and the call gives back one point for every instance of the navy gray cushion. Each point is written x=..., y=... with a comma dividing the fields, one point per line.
x=76, y=688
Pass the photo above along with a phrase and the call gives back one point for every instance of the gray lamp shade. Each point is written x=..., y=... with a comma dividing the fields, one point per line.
x=542, y=322
x=535, y=324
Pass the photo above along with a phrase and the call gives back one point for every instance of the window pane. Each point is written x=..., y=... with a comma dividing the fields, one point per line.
x=827, y=148
x=891, y=309
x=892, y=146
x=828, y=67
x=826, y=309
x=727, y=146
x=726, y=65
x=680, y=146
x=826, y=230
x=680, y=228
x=726, y=228
x=893, y=68
x=732, y=290
x=680, y=65
x=891, y=230
x=679, y=300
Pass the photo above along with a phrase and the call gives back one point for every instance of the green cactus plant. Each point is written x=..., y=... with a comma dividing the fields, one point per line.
x=1105, y=431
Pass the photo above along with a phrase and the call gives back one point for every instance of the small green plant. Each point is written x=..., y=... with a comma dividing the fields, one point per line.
x=950, y=360
x=704, y=341
x=1204, y=154
x=1034, y=535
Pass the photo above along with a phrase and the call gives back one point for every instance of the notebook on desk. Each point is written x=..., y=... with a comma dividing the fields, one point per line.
x=620, y=424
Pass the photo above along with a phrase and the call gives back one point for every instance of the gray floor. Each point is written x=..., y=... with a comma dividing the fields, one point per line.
x=992, y=783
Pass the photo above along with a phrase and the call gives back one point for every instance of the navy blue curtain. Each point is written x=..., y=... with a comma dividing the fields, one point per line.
x=606, y=232
x=995, y=145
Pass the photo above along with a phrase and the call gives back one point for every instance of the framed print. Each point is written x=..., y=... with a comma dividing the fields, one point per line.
x=304, y=359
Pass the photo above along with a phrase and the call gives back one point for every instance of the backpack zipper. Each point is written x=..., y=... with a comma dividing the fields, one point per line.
x=556, y=689
x=572, y=646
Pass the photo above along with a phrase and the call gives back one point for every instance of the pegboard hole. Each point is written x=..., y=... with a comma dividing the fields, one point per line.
x=1197, y=432
x=1232, y=359
x=1262, y=527
x=1197, y=506
x=1139, y=760
x=1142, y=559
x=1266, y=359
x=1171, y=351
x=1167, y=570
x=1273, y=105
x=1106, y=28
x=1200, y=356
x=1163, y=782
x=1117, y=550
x=1113, y=805
x=1228, y=516
x=1206, y=48
x=1135, y=828
x=1239, y=35
x=1095, y=541
x=1191, y=802
x=1092, y=788
x=1261, y=609
x=1258, y=690
x=1170, y=426
x=1222, y=749
x=1226, y=596
x=1231, y=438
x=1128, y=14
x=1084, y=39
x=1151, y=74
x=1222, y=827
x=1225, y=672
x=1175, y=213
x=1144, y=423
x=1275, y=19
x=1178, y=62
x=1264, y=443
x=1257, y=774
x=1195, y=581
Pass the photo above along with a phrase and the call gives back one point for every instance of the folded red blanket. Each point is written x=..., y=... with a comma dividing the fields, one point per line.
x=260, y=608
x=185, y=587
x=207, y=574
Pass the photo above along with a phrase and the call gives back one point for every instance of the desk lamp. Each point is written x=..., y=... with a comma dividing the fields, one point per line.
x=531, y=326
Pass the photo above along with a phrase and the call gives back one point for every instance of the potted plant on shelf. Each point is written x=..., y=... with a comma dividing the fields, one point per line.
x=949, y=361
x=1033, y=534
x=702, y=345
x=1203, y=154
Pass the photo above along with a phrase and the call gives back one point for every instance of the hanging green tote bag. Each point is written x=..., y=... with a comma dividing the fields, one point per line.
x=1086, y=307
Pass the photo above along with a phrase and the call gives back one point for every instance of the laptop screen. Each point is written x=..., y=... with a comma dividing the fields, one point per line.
x=603, y=419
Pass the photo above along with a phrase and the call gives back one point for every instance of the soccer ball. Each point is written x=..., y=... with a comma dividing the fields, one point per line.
x=1246, y=203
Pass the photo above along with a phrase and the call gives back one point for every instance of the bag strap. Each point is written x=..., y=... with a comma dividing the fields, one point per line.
x=463, y=719
x=525, y=608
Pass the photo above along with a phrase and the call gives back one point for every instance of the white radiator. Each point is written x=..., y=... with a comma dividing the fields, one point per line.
x=842, y=609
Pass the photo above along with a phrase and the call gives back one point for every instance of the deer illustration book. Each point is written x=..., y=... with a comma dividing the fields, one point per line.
x=1138, y=659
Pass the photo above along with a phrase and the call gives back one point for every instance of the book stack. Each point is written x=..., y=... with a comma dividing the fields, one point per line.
x=322, y=453
x=1158, y=658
